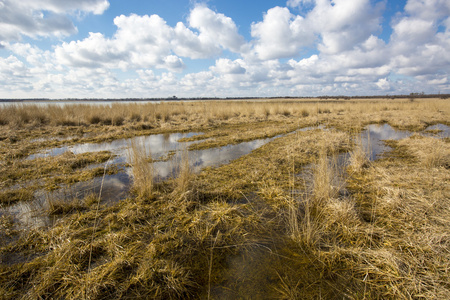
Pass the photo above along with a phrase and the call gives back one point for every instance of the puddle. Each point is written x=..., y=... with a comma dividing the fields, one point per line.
x=337, y=165
x=372, y=138
x=444, y=130
x=158, y=145
x=372, y=141
x=251, y=274
x=34, y=214
x=28, y=214
x=223, y=155
x=112, y=187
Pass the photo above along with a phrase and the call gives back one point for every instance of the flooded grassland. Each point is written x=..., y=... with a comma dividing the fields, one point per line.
x=224, y=200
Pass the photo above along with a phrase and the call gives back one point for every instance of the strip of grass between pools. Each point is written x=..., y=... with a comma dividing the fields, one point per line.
x=20, y=178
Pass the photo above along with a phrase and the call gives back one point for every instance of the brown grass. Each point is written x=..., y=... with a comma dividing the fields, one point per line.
x=274, y=223
x=431, y=152
x=119, y=114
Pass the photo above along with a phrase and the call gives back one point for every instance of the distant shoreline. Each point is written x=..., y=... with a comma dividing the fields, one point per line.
x=341, y=97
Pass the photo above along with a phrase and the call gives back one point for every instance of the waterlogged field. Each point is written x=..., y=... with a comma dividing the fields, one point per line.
x=226, y=199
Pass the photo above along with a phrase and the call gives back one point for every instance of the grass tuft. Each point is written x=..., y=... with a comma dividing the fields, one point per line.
x=142, y=170
x=94, y=119
x=184, y=188
x=359, y=159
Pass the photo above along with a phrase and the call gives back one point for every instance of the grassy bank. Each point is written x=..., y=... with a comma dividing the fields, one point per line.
x=306, y=215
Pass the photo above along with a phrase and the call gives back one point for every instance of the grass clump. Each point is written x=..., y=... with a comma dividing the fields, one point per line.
x=304, y=113
x=142, y=170
x=94, y=119
x=183, y=183
x=431, y=152
x=359, y=158
x=118, y=121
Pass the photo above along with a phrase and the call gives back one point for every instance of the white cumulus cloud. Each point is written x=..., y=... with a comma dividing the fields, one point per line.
x=383, y=84
x=309, y=47
x=281, y=34
x=417, y=46
x=216, y=28
x=428, y=9
x=227, y=66
x=335, y=26
x=36, y=18
x=342, y=24
x=148, y=42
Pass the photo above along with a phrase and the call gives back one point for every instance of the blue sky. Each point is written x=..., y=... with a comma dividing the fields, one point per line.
x=139, y=49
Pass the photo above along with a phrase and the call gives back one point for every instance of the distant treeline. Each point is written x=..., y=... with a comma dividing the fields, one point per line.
x=174, y=98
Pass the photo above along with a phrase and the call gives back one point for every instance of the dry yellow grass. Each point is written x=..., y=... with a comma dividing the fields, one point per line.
x=431, y=152
x=274, y=223
x=398, y=112
x=184, y=190
x=142, y=170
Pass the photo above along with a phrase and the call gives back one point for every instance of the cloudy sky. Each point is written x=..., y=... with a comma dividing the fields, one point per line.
x=222, y=48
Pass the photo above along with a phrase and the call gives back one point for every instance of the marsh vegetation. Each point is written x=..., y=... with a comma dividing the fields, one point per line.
x=341, y=199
